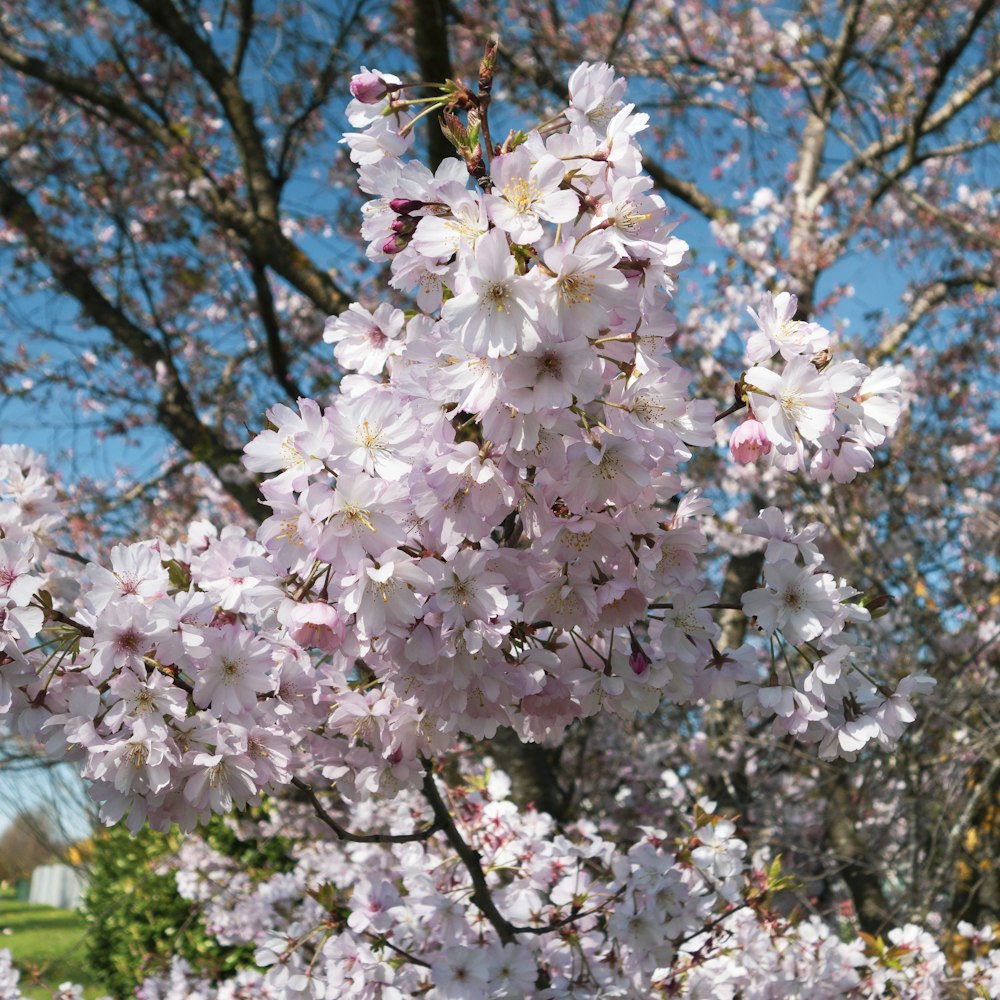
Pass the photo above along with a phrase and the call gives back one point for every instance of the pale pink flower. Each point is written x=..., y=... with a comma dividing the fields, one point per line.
x=440, y=237
x=361, y=517
x=495, y=311
x=124, y=633
x=376, y=434
x=136, y=571
x=595, y=94
x=379, y=140
x=842, y=462
x=368, y=87
x=385, y=597
x=749, y=441
x=466, y=590
x=16, y=583
x=585, y=287
x=881, y=399
x=218, y=781
x=370, y=904
x=550, y=377
x=137, y=763
x=799, y=401
x=795, y=600
x=633, y=219
x=365, y=341
x=897, y=711
x=313, y=625
x=236, y=670
x=613, y=472
x=295, y=444
x=525, y=193
x=364, y=113
x=778, y=330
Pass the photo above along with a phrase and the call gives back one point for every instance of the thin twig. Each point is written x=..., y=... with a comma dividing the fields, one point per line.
x=572, y=918
x=362, y=838
x=470, y=857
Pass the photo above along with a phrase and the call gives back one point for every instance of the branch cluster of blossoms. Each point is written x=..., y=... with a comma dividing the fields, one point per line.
x=841, y=408
x=686, y=914
x=487, y=526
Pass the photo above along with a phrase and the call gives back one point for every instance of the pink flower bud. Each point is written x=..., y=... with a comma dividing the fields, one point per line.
x=404, y=226
x=368, y=87
x=317, y=626
x=749, y=442
x=639, y=662
x=404, y=206
x=394, y=244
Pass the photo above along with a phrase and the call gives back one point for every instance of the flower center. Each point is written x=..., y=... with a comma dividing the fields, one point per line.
x=495, y=297
x=522, y=193
x=230, y=668
x=792, y=403
x=290, y=455
x=369, y=436
x=576, y=288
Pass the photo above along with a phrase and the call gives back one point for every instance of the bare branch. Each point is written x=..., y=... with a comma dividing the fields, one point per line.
x=620, y=31
x=243, y=38
x=857, y=867
x=430, y=37
x=272, y=330
x=573, y=917
x=175, y=408
x=470, y=857
x=810, y=160
x=237, y=109
x=263, y=235
x=929, y=297
x=877, y=150
x=362, y=838
x=944, y=869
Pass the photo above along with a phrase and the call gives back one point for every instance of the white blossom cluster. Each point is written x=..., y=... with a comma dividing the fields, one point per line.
x=682, y=915
x=487, y=526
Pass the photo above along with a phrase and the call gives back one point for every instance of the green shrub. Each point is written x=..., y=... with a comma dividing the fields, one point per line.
x=137, y=919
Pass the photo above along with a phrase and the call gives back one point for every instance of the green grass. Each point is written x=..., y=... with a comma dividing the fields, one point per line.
x=47, y=947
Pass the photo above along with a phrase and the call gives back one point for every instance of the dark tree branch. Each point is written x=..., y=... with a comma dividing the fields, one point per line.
x=343, y=833
x=175, y=409
x=295, y=131
x=430, y=37
x=620, y=31
x=926, y=300
x=470, y=857
x=263, y=235
x=272, y=330
x=858, y=869
x=235, y=105
x=946, y=62
x=243, y=38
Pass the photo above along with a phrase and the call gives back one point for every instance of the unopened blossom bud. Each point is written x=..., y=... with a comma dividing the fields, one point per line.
x=394, y=244
x=879, y=605
x=749, y=442
x=639, y=662
x=317, y=625
x=405, y=226
x=475, y=164
x=404, y=206
x=368, y=87
x=488, y=64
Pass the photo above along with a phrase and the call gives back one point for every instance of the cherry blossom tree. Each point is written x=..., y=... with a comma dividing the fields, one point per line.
x=857, y=134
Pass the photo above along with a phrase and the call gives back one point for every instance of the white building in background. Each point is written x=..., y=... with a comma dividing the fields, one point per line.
x=57, y=885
